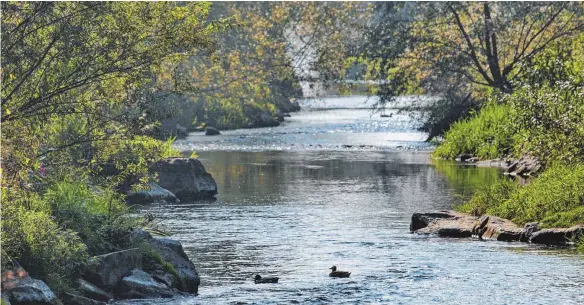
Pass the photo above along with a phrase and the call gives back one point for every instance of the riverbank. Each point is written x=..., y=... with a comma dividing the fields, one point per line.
x=105, y=258
x=541, y=127
x=487, y=227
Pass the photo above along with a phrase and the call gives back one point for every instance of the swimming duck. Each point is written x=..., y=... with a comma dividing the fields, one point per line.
x=265, y=280
x=335, y=273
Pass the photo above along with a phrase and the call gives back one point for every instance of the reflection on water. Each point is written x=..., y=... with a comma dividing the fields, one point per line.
x=293, y=214
x=291, y=208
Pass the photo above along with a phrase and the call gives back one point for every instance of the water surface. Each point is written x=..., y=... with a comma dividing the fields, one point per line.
x=338, y=187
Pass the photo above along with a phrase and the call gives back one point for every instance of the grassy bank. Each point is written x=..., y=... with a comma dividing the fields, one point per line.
x=546, y=122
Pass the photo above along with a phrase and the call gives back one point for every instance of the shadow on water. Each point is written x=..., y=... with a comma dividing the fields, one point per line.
x=464, y=179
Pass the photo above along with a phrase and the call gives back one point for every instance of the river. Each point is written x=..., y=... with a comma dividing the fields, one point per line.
x=337, y=186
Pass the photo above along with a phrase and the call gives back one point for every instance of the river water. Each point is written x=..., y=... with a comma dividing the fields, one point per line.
x=337, y=186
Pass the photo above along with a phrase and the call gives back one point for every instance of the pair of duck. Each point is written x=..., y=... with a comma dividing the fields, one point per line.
x=269, y=280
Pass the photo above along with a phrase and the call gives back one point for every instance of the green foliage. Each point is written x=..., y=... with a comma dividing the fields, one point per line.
x=97, y=214
x=550, y=120
x=487, y=134
x=40, y=245
x=77, y=73
x=556, y=198
x=485, y=197
x=459, y=50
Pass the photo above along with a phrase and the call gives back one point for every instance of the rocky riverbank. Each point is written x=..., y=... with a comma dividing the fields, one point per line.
x=525, y=166
x=147, y=267
x=458, y=225
x=178, y=179
x=158, y=268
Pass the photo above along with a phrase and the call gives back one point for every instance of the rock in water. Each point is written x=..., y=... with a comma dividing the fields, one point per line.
x=105, y=271
x=186, y=178
x=172, y=252
x=452, y=224
x=73, y=299
x=21, y=289
x=557, y=236
x=140, y=285
x=211, y=131
x=154, y=194
x=93, y=292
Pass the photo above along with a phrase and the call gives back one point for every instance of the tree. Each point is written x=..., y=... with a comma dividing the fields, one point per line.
x=75, y=73
x=261, y=59
x=462, y=50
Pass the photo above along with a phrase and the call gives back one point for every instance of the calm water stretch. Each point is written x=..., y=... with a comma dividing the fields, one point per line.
x=337, y=186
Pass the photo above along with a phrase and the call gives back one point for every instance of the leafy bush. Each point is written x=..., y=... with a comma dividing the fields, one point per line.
x=41, y=246
x=556, y=198
x=487, y=134
x=97, y=214
x=551, y=120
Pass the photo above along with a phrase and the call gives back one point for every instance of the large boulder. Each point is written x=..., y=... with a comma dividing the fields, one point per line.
x=73, y=299
x=154, y=193
x=140, y=285
x=496, y=228
x=173, y=252
x=211, y=131
x=186, y=278
x=105, y=271
x=21, y=289
x=443, y=224
x=557, y=236
x=453, y=224
x=93, y=292
x=186, y=178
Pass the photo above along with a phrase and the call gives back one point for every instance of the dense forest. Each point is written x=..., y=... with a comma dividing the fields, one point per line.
x=93, y=94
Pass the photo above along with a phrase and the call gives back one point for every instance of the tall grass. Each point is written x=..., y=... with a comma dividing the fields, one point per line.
x=487, y=134
x=555, y=198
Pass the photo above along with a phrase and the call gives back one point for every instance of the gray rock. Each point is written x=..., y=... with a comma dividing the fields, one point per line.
x=266, y=120
x=173, y=252
x=452, y=224
x=140, y=285
x=211, y=131
x=155, y=193
x=105, y=271
x=181, y=131
x=422, y=220
x=500, y=229
x=528, y=230
x=93, y=292
x=557, y=236
x=4, y=300
x=18, y=288
x=443, y=224
x=72, y=299
x=186, y=178
x=164, y=278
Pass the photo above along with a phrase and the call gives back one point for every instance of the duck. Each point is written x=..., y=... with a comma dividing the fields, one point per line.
x=335, y=273
x=265, y=280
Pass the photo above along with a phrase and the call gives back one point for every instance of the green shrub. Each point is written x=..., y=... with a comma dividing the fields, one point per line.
x=555, y=198
x=96, y=213
x=551, y=120
x=487, y=134
x=44, y=249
